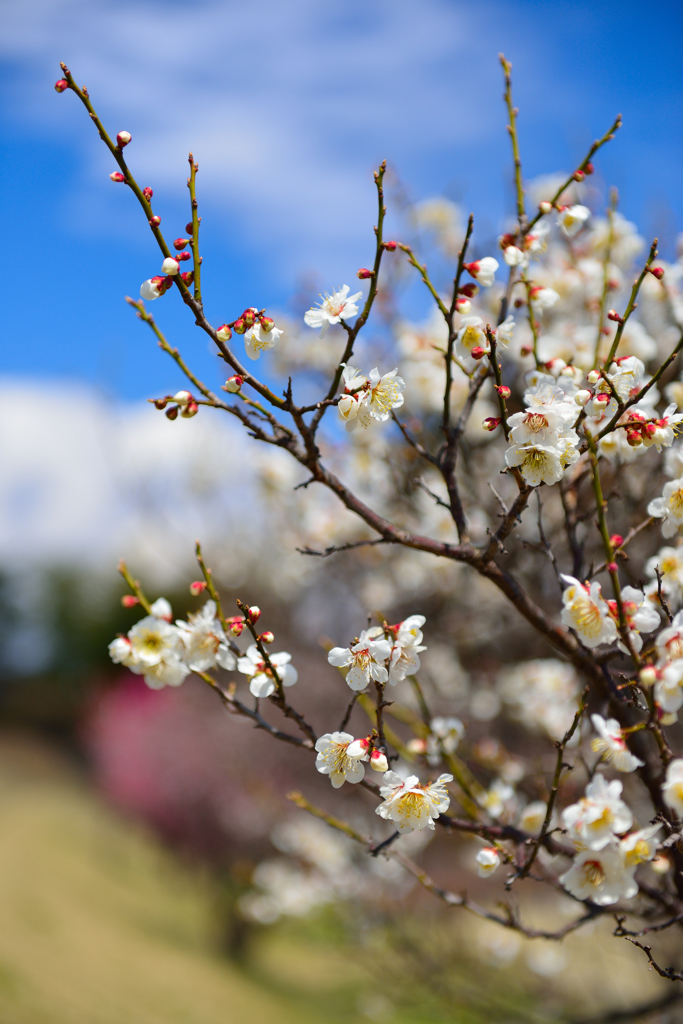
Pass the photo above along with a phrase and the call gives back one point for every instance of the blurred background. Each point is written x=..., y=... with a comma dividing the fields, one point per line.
x=141, y=875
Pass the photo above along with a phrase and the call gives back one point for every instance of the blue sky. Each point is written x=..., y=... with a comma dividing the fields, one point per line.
x=287, y=107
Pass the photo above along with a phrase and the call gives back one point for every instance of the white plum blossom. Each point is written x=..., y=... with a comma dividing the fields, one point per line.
x=662, y=432
x=161, y=609
x=334, y=759
x=261, y=681
x=543, y=298
x=532, y=817
x=668, y=691
x=170, y=266
x=672, y=790
x=669, y=642
x=572, y=218
x=470, y=336
x=515, y=257
x=121, y=652
x=538, y=463
x=444, y=738
x=369, y=398
x=599, y=816
x=603, y=877
x=543, y=694
x=496, y=797
x=332, y=309
x=669, y=508
x=483, y=270
x=153, y=649
x=407, y=646
x=258, y=340
x=205, y=642
x=669, y=561
x=586, y=612
x=611, y=744
x=639, y=847
x=410, y=805
x=149, y=289
x=640, y=616
x=488, y=861
x=505, y=331
x=365, y=661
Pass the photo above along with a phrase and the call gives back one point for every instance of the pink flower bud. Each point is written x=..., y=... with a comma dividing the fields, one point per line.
x=616, y=540
x=470, y=289
x=477, y=352
x=358, y=748
x=180, y=243
x=236, y=625
x=254, y=613
x=504, y=391
x=249, y=316
x=117, y=176
x=155, y=221
x=224, y=333
x=613, y=315
x=190, y=228
x=147, y=193
x=634, y=438
x=630, y=607
x=190, y=410
x=651, y=429
x=122, y=139
x=463, y=305
x=525, y=350
x=612, y=567
x=239, y=326
x=197, y=587
x=588, y=169
x=188, y=277
x=267, y=637
x=579, y=175
x=391, y=246
x=491, y=423
x=172, y=412
x=234, y=384
x=364, y=273
x=657, y=272
x=267, y=323
x=378, y=761
x=184, y=255
x=602, y=397
x=545, y=206
x=61, y=85
x=170, y=266
x=129, y=600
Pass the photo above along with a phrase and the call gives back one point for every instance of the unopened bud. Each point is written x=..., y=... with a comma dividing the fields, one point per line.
x=239, y=326
x=358, y=748
x=172, y=412
x=249, y=316
x=613, y=315
x=122, y=139
x=545, y=206
x=579, y=175
x=147, y=193
x=470, y=289
x=61, y=85
x=183, y=256
x=491, y=423
x=224, y=333
x=603, y=398
x=616, y=540
x=197, y=587
x=391, y=246
x=234, y=384
x=504, y=391
x=267, y=323
x=254, y=613
x=267, y=637
x=161, y=403
x=170, y=266
x=235, y=625
x=630, y=607
x=581, y=397
x=657, y=272
x=612, y=567
x=463, y=305
x=190, y=227
x=364, y=273
x=634, y=438
x=155, y=221
x=588, y=169
x=129, y=600
x=182, y=397
x=593, y=377
x=651, y=429
x=378, y=761
x=417, y=745
x=525, y=350
x=117, y=176
x=180, y=243
x=648, y=675
x=188, y=277
x=477, y=352
x=190, y=410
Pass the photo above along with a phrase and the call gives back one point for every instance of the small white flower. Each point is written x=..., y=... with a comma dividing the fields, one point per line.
x=532, y=817
x=572, y=219
x=598, y=817
x=170, y=266
x=447, y=733
x=504, y=331
x=333, y=759
x=669, y=642
x=496, y=796
x=514, y=257
x=538, y=463
x=152, y=640
x=669, y=561
x=406, y=648
x=586, y=612
x=611, y=744
x=602, y=877
x=488, y=861
x=483, y=271
x=668, y=691
x=410, y=805
x=665, y=429
x=384, y=394
x=161, y=608
x=669, y=508
x=539, y=424
x=544, y=298
x=121, y=652
x=365, y=661
x=261, y=681
x=149, y=290
x=640, y=616
x=639, y=847
x=256, y=340
x=672, y=790
x=332, y=309
x=468, y=337
x=205, y=642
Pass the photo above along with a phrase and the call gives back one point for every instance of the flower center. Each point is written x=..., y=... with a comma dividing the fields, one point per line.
x=587, y=616
x=536, y=421
x=676, y=503
x=592, y=873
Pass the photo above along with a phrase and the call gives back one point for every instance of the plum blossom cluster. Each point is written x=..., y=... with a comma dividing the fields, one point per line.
x=381, y=654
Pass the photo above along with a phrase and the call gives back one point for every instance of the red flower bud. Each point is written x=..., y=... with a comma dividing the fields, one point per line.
x=197, y=587
x=602, y=397
x=147, y=193
x=61, y=85
x=129, y=600
x=616, y=540
x=267, y=323
x=180, y=243
x=470, y=289
x=504, y=391
x=254, y=613
x=122, y=139
x=633, y=437
x=172, y=412
x=235, y=624
x=391, y=246
x=190, y=228
x=364, y=273
x=224, y=333
x=612, y=567
x=525, y=350
x=190, y=410
x=267, y=637
x=491, y=423
x=477, y=352
x=117, y=176
x=657, y=272
x=161, y=403
x=239, y=326
x=183, y=256
x=155, y=221
x=613, y=315
x=579, y=175
x=249, y=316
x=188, y=276
x=588, y=169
